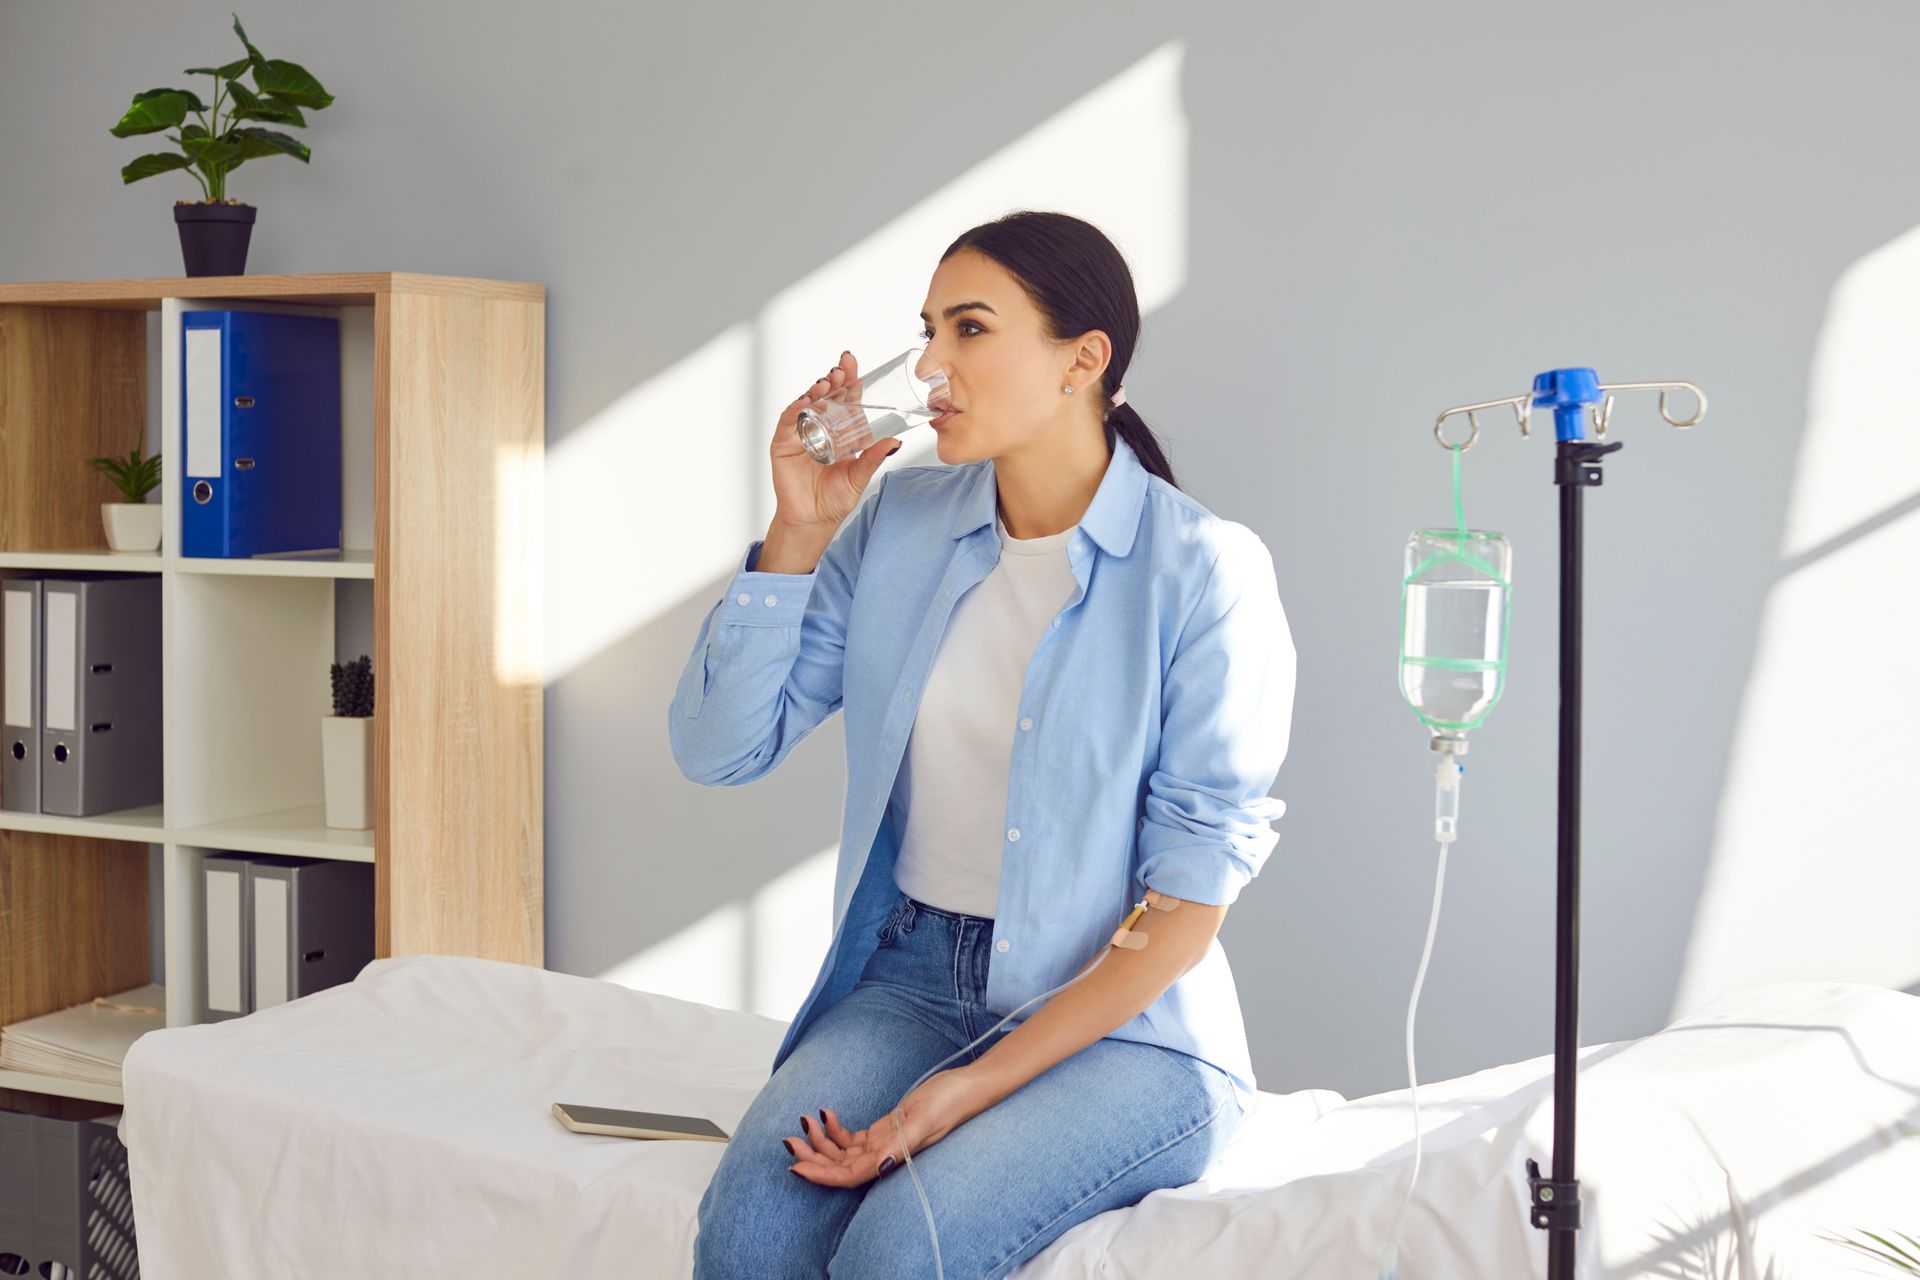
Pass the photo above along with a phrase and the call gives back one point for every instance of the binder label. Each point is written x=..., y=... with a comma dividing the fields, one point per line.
x=269, y=942
x=223, y=941
x=19, y=697
x=203, y=402
x=62, y=656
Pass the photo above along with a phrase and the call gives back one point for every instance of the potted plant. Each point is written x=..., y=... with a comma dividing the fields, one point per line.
x=133, y=525
x=214, y=232
x=346, y=746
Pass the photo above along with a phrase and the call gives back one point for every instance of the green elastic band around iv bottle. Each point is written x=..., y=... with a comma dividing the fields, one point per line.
x=1496, y=665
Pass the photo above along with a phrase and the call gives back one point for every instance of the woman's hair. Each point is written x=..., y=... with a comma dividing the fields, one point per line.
x=1079, y=281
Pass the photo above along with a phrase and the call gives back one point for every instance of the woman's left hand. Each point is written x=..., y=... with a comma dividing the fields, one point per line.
x=834, y=1156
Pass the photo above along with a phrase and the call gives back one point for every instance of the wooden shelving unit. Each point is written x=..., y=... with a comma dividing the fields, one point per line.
x=443, y=429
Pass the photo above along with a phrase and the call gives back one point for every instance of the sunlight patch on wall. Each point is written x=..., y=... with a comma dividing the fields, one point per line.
x=759, y=955
x=659, y=494
x=792, y=923
x=1118, y=157
x=518, y=563
x=704, y=961
x=1813, y=874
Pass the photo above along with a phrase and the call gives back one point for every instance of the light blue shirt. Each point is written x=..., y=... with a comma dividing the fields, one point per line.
x=1153, y=720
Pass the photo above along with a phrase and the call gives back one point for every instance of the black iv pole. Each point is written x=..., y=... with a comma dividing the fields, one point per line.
x=1572, y=394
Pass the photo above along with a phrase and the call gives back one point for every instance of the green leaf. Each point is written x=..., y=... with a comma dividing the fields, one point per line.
x=265, y=142
x=1893, y=1250
x=193, y=131
x=159, y=162
x=213, y=151
x=292, y=114
x=153, y=112
x=227, y=72
x=1890, y=1254
x=267, y=110
x=267, y=114
x=292, y=82
x=250, y=148
x=193, y=99
x=255, y=58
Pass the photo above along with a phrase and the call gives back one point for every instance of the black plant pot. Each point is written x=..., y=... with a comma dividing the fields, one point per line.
x=213, y=237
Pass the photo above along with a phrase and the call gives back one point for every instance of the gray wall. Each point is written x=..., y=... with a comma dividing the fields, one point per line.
x=1386, y=211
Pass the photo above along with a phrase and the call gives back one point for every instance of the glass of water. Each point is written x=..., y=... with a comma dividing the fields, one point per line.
x=872, y=406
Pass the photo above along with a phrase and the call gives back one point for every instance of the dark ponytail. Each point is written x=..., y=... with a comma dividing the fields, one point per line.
x=1136, y=432
x=1078, y=281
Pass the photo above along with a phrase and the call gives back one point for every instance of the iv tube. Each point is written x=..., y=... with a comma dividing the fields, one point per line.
x=1390, y=1252
x=1456, y=602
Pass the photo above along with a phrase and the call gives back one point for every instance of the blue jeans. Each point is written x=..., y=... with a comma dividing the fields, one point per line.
x=1096, y=1131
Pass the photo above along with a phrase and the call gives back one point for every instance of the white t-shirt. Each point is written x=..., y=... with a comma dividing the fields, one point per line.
x=950, y=798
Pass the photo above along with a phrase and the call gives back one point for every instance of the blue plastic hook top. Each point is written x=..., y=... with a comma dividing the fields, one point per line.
x=1568, y=392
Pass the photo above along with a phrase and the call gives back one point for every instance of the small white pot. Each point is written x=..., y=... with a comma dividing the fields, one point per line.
x=346, y=752
x=132, y=526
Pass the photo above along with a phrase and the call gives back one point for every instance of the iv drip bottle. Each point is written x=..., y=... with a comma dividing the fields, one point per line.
x=1455, y=603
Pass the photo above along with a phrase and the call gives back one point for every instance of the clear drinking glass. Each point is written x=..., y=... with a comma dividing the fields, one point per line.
x=874, y=405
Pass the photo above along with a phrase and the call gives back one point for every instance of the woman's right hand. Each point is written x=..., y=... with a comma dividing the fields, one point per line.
x=812, y=498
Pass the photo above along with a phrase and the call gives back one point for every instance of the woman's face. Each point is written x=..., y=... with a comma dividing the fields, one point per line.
x=1003, y=374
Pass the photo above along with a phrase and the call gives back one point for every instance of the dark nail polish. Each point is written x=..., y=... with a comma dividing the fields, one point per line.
x=887, y=1164
x=894, y=450
x=823, y=1117
x=803, y=1126
x=788, y=1144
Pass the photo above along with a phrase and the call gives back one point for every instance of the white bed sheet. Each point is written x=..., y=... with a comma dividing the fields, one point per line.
x=400, y=1125
x=1755, y=1125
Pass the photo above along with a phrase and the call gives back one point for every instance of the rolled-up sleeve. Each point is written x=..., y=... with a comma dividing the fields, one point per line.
x=767, y=662
x=1227, y=708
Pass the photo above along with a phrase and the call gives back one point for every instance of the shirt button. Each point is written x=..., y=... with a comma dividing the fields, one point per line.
x=770, y=601
x=1026, y=722
x=743, y=598
x=1001, y=945
x=1013, y=833
x=1056, y=624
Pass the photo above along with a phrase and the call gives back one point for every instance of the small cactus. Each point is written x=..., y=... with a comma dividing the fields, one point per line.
x=353, y=687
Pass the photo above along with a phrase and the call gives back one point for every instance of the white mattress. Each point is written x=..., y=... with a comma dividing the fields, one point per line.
x=400, y=1125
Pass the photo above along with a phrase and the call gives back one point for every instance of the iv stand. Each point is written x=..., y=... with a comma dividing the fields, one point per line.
x=1572, y=394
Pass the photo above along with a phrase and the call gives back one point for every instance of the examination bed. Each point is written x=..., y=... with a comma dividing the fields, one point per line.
x=399, y=1125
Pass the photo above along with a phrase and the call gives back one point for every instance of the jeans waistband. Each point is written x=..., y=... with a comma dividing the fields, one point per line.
x=957, y=917
x=957, y=948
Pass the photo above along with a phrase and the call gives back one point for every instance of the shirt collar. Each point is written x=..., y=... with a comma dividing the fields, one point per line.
x=1111, y=519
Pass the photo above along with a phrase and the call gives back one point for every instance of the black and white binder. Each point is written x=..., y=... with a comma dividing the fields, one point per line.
x=100, y=694
x=280, y=928
x=312, y=925
x=20, y=764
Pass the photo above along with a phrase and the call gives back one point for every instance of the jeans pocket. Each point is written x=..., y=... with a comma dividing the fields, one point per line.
x=899, y=921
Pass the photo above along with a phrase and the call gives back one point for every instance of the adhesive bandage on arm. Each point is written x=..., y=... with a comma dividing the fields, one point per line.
x=1124, y=936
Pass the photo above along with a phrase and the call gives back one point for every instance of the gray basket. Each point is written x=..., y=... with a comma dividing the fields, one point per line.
x=66, y=1207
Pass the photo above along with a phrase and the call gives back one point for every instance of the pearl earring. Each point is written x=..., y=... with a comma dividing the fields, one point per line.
x=1068, y=388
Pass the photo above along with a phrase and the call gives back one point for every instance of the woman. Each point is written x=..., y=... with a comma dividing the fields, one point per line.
x=1066, y=683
